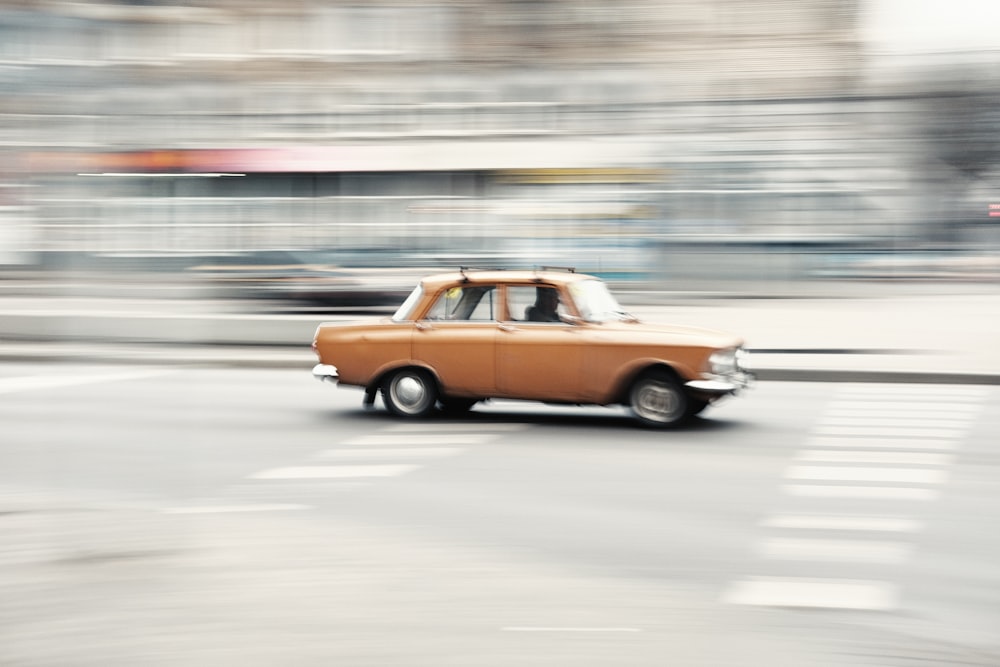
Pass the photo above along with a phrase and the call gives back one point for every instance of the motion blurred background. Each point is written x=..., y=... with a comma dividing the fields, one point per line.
x=306, y=147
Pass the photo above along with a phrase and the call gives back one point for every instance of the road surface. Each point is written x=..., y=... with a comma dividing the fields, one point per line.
x=162, y=515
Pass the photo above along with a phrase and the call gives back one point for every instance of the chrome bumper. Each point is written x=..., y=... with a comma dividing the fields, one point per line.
x=325, y=373
x=728, y=385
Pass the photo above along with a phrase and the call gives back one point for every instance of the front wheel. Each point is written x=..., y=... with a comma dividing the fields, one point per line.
x=410, y=392
x=658, y=400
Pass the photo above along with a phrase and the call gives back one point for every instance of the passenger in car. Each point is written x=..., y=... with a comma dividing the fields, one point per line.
x=544, y=309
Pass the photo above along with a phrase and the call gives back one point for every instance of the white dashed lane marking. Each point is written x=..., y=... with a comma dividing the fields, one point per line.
x=335, y=472
x=396, y=439
x=231, y=509
x=10, y=385
x=400, y=453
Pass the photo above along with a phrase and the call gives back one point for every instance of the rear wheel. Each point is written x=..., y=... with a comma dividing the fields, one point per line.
x=658, y=400
x=410, y=392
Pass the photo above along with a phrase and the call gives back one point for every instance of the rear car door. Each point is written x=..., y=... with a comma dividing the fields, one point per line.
x=457, y=339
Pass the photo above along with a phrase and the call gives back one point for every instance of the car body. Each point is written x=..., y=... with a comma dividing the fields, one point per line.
x=467, y=336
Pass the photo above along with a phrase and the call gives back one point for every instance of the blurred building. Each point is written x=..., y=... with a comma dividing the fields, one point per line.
x=632, y=139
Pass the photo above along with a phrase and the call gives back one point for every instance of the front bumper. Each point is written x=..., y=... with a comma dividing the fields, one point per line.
x=325, y=373
x=731, y=384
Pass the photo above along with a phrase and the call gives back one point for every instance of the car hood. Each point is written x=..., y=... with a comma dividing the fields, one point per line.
x=673, y=333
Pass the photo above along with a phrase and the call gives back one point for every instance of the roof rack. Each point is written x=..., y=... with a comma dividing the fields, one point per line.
x=463, y=269
x=570, y=269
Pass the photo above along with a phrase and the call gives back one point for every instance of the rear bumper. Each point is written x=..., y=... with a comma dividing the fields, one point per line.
x=325, y=373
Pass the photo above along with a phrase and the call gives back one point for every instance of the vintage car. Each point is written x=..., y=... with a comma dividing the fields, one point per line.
x=549, y=335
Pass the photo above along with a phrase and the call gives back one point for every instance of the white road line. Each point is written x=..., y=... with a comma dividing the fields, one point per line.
x=225, y=509
x=848, y=474
x=334, y=472
x=904, y=407
x=378, y=439
x=828, y=522
x=891, y=389
x=836, y=551
x=815, y=593
x=10, y=385
x=438, y=427
x=402, y=452
x=887, y=421
x=568, y=629
x=855, y=456
x=933, y=433
x=882, y=443
x=859, y=492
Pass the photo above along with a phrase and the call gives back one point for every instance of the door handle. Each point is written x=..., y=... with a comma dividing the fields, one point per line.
x=509, y=328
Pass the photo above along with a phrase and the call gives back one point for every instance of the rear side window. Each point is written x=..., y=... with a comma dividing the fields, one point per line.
x=472, y=304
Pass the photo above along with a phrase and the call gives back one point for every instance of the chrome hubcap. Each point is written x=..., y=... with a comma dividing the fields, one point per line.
x=657, y=401
x=409, y=392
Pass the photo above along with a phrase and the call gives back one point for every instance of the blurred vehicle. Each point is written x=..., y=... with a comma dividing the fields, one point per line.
x=464, y=337
x=303, y=277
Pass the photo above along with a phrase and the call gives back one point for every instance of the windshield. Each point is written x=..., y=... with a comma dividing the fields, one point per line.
x=596, y=303
x=405, y=311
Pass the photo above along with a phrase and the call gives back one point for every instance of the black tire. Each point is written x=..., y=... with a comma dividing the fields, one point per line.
x=410, y=392
x=456, y=406
x=658, y=400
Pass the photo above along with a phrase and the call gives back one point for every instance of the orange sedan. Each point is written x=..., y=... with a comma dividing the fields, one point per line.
x=550, y=335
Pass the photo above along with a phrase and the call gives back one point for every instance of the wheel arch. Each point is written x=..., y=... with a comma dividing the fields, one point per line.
x=383, y=373
x=624, y=384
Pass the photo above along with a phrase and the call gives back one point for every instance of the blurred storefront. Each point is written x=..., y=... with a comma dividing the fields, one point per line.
x=626, y=141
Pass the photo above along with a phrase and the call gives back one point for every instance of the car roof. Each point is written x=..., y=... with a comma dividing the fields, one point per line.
x=490, y=276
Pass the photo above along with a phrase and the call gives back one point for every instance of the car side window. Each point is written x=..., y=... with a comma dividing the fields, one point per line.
x=534, y=303
x=474, y=304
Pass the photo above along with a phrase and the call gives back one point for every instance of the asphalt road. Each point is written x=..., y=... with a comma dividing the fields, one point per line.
x=193, y=516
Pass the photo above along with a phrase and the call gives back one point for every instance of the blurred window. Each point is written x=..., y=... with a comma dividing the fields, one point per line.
x=476, y=304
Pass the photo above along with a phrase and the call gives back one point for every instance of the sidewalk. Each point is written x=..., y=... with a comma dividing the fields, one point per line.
x=947, y=336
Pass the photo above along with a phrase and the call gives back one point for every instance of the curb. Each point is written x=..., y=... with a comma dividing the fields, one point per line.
x=279, y=357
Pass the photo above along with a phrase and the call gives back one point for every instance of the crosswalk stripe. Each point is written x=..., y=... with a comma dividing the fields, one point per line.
x=829, y=522
x=932, y=433
x=884, y=421
x=859, y=492
x=855, y=456
x=850, y=474
x=837, y=551
x=882, y=443
x=816, y=593
x=905, y=407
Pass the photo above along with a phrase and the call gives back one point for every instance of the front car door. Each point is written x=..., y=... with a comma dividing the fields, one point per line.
x=538, y=357
x=457, y=339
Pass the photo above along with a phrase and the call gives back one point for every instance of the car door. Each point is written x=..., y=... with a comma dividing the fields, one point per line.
x=538, y=360
x=457, y=339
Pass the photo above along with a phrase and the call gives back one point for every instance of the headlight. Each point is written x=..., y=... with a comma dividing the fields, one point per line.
x=722, y=362
x=728, y=361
